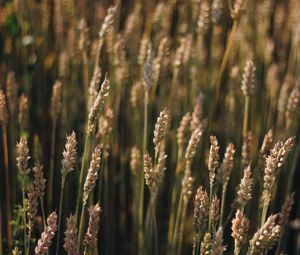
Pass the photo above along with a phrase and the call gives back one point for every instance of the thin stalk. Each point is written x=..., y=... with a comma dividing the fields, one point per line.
x=210, y=202
x=222, y=204
x=28, y=242
x=175, y=190
x=153, y=207
x=181, y=229
x=177, y=222
x=85, y=74
x=246, y=115
x=236, y=250
x=293, y=169
x=151, y=227
x=81, y=227
x=24, y=214
x=197, y=247
x=84, y=164
x=141, y=202
x=227, y=50
x=8, y=196
x=264, y=213
x=60, y=211
x=43, y=211
x=51, y=166
x=279, y=243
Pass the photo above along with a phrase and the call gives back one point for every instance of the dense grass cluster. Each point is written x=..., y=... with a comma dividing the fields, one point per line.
x=149, y=127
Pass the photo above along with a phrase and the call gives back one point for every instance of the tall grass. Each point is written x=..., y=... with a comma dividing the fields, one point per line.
x=186, y=116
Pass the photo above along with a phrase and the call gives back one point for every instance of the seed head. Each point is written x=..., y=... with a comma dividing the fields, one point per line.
x=3, y=109
x=11, y=92
x=183, y=129
x=23, y=157
x=237, y=10
x=245, y=188
x=246, y=149
x=23, y=112
x=71, y=240
x=266, y=237
x=90, y=238
x=46, y=238
x=154, y=175
x=144, y=47
x=98, y=105
x=268, y=139
x=148, y=69
x=213, y=159
x=69, y=154
x=197, y=113
x=203, y=20
x=216, y=11
x=84, y=35
x=56, y=100
x=240, y=228
x=292, y=104
x=217, y=246
x=201, y=210
x=135, y=160
x=227, y=164
x=192, y=145
x=215, y=211
x=248, y=82
x=32, y=206
x=187, y=186
x=39, y=180
x=92, y=175
x=108, y=21
x=160, y=129
x=286, y=210
x=136, y=95
x=206, y=245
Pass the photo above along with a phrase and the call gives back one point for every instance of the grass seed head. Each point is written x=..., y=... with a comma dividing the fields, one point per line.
x=47, y=236
x=71, y=237
x=3, y=109
x=92, y=175
x=23, y=157
x=69, y=154
x=248, y=81
x=90, y=238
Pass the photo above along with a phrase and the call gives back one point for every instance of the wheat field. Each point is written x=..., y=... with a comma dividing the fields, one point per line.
x=149, y=127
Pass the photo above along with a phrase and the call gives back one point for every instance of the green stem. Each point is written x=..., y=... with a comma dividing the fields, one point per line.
x=51, y=166
x=246, y=115
x=83, y=169
x=226, y=57
x=24, y=214
x=210, y=202
x=7, y=189
x=43, y=211
x=81, y=227
x=264, y=213
x=60, y=212
x=141, y=202
x=153, y=207
x=222, y=204
x=176, y=189
x=85, y=74
x=181, y=229
x=177, y=223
